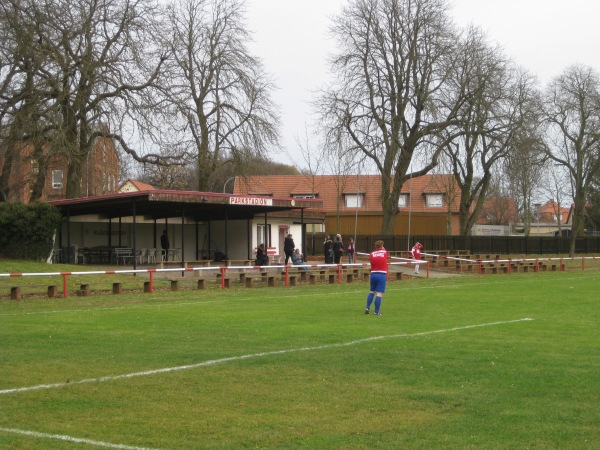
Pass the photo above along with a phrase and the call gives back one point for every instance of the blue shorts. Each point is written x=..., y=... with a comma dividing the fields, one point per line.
x=378, y=281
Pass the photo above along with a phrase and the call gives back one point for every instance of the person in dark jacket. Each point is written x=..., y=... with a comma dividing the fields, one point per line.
x=288, y=248
x=262, y=259
x=164, y=243
x=328, y=250
x=338, y=249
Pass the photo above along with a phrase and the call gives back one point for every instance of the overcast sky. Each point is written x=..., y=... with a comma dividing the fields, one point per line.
x=291, y=38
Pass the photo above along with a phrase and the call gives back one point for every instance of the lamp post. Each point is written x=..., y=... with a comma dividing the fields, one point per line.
x=227, y=181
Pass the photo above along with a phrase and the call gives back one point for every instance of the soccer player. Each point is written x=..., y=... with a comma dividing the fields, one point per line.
x=416, y=254
x=379, y=269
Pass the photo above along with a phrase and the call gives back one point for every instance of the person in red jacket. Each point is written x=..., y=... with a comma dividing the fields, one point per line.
x=379, y=269
x=416, y=254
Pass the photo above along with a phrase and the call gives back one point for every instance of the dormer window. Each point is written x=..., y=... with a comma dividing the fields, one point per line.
x=354, y=200
x=434, y=200
x=403, y=201
x=304, y=195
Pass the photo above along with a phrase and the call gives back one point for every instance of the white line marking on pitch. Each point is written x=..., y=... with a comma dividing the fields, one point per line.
x=62, y=437
x=242, y=357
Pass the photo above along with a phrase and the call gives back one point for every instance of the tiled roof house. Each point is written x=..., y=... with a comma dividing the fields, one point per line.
x=550, y=212
x=131, y=185
x=428, y=204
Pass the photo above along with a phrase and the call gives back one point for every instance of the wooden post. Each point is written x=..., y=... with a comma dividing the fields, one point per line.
x=15, y=293
x=52, y=291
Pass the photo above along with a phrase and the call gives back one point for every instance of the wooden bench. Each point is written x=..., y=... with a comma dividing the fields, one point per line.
x=526, y=266
x=240, y=262
x=495, y=268
x=273, y=255
x=269, y=278
x=198, y=263
x=553, y=266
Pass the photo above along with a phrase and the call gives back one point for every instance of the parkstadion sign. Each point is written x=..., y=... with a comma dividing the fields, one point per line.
x=254, y=201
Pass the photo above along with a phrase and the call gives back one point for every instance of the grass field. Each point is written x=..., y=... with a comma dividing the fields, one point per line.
x=494, y=362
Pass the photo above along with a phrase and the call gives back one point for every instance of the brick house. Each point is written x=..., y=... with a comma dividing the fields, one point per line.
x=552, y=212
x=100, y=173
x=428, y=205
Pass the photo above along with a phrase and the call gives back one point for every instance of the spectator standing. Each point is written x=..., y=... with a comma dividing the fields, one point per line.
x=350, y=251
x=328, y=250
x=416, y=254
x=338, y=249
x=378, y=279
x=288, y=248
x=164, y=243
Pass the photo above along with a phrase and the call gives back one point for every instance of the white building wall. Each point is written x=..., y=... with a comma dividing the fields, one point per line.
x=242, y=236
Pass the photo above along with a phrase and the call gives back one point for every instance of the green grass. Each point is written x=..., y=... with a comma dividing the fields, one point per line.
x=318, y=373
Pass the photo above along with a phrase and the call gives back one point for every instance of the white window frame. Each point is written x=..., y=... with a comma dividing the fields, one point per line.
x=354, y=200
x=260, y=234
x=304, y=196
x=403, y=201
x=434, y=200
x=57, y=179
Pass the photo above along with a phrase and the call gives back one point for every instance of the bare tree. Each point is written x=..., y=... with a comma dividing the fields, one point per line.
x=447, y=184
x=392, y=96
x=315, y=160
x=341, y=163
x=216, y=95
x=524, y=168
x=572, y=113
x=90, y=60
x=501, y=98
x=557, y=191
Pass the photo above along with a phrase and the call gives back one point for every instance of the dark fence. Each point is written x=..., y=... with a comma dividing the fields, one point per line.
x=504, y=245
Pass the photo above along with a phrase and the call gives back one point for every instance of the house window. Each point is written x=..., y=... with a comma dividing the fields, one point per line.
x=260, y=234
x=304, y=195
x=403, y=201
x=57, y=179
x=434, y=200
x=354, y=200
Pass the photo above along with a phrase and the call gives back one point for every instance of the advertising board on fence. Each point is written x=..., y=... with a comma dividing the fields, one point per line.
x=489, y=230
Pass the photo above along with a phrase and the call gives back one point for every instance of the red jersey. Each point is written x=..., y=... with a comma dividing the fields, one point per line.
x=416, y=252
x=379, y=260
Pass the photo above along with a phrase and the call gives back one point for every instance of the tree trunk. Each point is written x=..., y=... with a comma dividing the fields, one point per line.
x=5, y=175
x=578, y=222
x=73, y=179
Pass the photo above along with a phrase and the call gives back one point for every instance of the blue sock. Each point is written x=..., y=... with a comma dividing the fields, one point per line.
x=369, y=300
x=377, y=304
